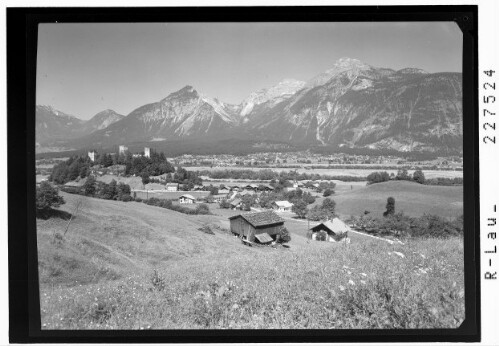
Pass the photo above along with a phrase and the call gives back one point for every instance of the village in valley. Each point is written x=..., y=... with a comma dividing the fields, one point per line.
x=284, y=211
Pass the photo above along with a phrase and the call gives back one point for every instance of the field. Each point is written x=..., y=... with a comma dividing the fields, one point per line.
x=429, y=174
x=412, y=198
x=133, y=266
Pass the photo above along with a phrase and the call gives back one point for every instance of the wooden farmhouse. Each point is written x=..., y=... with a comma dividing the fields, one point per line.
x=332, y=230
x=187, y=199
x=251, y=224
x=282, y=206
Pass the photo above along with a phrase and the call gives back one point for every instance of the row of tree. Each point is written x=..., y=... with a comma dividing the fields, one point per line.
x=93, y=188
x=402, y=174
x=268, y=174
x=401, y=225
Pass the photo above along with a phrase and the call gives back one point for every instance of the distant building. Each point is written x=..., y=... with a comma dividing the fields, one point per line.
x=249, y=225
x=147, y=152
x=122, y=149
x=92, y=155
x=171, y=187
x=333, y=230
x=187, y=199
x=236, y=204
x=219, y=198
x=223, y=192
x=282, y=206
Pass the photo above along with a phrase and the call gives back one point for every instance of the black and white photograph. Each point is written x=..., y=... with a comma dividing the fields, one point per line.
x=250, y=175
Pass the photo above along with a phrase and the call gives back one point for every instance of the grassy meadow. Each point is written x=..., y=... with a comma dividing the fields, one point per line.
x=412, y=198
x=134, y=266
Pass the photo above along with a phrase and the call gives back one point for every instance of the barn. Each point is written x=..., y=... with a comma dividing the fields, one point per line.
x=187, y=199
x=334, y=230
x=251, y=224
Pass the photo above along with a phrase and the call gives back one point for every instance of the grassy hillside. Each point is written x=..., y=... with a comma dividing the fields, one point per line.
x=101, y=275
x=414, y=199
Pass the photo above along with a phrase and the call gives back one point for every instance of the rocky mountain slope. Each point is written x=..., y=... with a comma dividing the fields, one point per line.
x=351, y=104
x=54, y=126
x=362, y=106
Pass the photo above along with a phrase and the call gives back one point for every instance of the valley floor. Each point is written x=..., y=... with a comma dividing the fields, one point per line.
x=134, y=266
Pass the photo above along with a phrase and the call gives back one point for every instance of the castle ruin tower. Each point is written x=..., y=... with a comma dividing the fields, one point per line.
x=91, y=155
x=122, y=149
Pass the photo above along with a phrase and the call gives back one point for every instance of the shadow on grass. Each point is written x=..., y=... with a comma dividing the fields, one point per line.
x=46, y=214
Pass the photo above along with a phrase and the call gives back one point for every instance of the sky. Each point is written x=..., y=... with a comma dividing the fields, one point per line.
x=83, y=69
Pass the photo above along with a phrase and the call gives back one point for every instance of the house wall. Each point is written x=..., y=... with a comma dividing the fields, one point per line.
x=186, y=200
x=241, y=227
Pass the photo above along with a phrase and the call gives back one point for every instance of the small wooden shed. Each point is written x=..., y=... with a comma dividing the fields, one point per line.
x=248, y=225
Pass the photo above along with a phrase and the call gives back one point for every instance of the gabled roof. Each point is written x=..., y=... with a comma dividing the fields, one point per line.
x=336, y=226
x=172, y=184
x=263, y=218
x=188, y=196
x=246, y=192
x=284, y=204
x=235, y=201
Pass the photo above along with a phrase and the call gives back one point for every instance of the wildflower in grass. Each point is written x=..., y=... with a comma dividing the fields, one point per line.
x=363, y=274
x=350, y=282
x=399, y=254
x=342, y=288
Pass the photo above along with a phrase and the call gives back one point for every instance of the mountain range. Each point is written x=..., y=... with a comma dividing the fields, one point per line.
x=351, y=104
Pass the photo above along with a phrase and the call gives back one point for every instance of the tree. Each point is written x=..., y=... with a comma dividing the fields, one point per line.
x=402, y=175
x=329, y=206
x=418, y=176
x=47, y=197
x=300, y=209
x=89, y=186
x=390, y=207
x=145, y=178
x=123, y=190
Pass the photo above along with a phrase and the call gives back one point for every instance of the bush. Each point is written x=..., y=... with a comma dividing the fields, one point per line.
x=47, y=197
x=224, y=204
x=283, y=236
x=206, y=229
x=203, y=209
x=126, y=198
x=327, y=192
x=321, y=236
